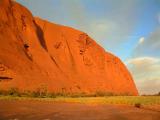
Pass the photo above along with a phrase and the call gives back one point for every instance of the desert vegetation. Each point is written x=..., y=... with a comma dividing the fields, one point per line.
x=137, y=101
x=42, y=92
x=96, y=98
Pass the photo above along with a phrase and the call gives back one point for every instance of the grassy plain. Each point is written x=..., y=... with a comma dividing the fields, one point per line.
x=121, y=100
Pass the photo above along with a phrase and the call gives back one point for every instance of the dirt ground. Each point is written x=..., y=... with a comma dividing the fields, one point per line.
x=47, y=110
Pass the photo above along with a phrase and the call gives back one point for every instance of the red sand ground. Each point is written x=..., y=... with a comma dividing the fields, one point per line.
x=36, y=54
x=37, y=110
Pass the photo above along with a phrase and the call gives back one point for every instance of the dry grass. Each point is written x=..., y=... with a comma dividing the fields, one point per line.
x=122, y=100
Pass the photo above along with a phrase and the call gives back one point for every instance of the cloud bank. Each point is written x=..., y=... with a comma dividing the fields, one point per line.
x=146, y=71
x=145, y=63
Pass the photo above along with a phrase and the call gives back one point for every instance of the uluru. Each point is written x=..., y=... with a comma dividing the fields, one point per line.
x=36, y=53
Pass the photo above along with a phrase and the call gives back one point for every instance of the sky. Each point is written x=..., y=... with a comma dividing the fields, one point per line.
x=130, y=29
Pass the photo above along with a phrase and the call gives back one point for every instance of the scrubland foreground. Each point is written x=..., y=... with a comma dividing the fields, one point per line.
x=82, y=108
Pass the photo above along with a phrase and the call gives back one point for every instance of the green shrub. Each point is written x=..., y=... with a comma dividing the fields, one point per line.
x=76, y=95
x=43, y=93
x=51, y=95
x=40, y=92
x=13, y=92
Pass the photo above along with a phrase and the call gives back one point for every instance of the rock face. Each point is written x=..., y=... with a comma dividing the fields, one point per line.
x=35, y=53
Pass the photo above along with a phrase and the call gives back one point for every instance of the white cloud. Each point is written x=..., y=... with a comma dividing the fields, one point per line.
x=150, y=46
x=159, y=18
x=143, y=60
x=99, y=29
x=145, y=63
x=141, y=40
x=149, y=85
x=146, y=73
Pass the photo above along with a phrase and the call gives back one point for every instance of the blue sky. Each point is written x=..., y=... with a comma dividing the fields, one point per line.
x=128, y=28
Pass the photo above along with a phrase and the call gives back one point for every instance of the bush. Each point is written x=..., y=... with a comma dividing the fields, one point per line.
x=75, y=95
x=43, y=93
x=40, y=92
x=137, y=105
x=11, y=91
x=14, y=92
x=51, y=95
